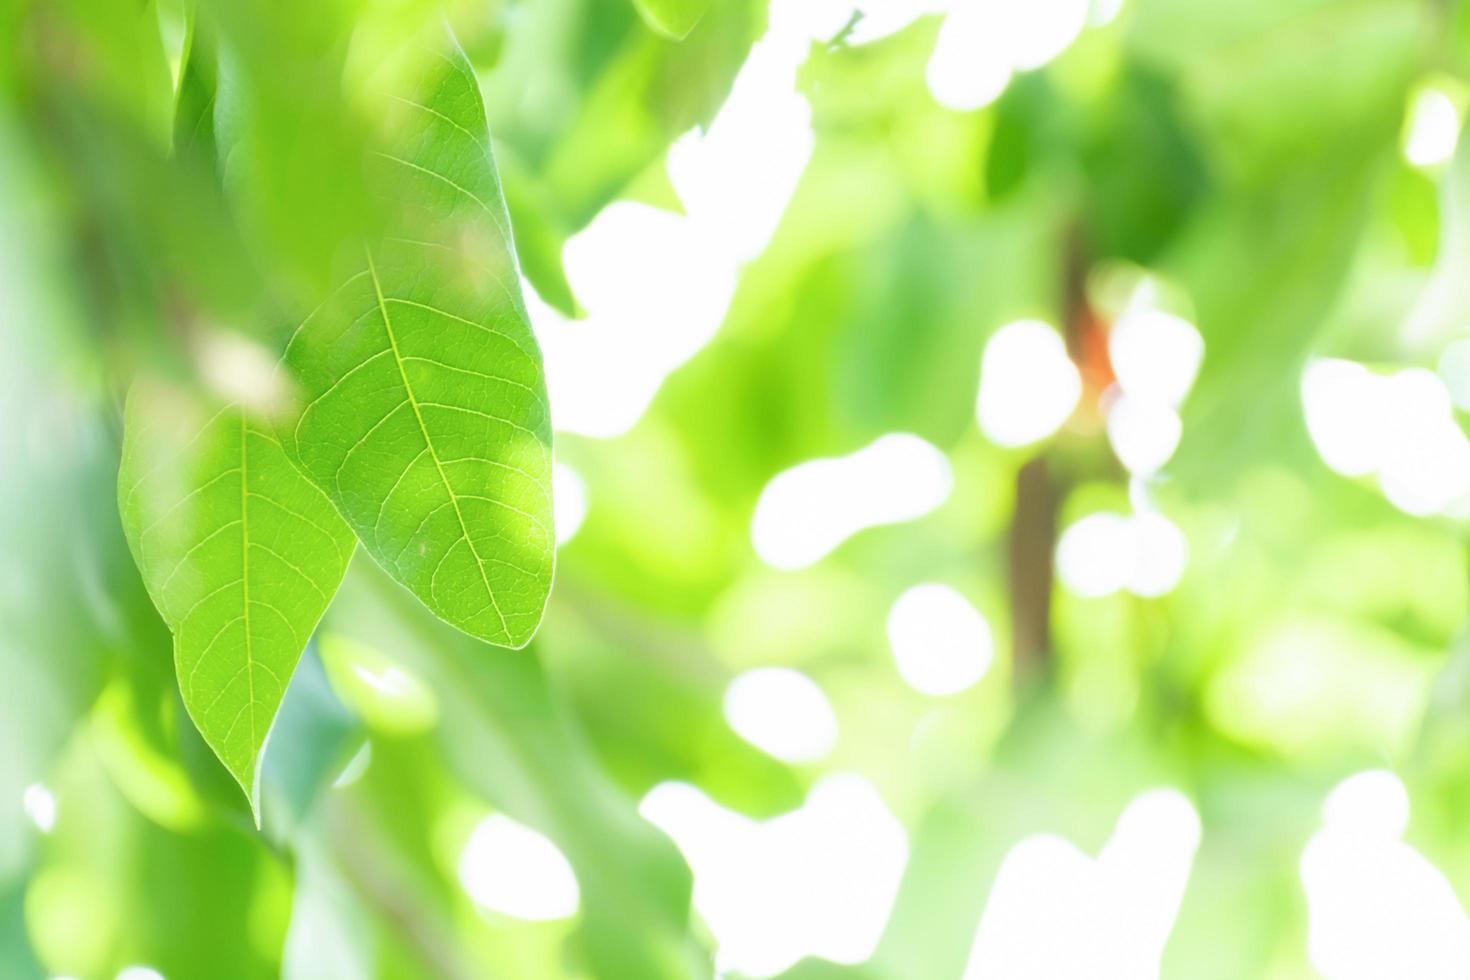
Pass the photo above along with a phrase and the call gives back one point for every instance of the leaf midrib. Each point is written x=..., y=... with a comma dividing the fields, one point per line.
x=245, y=572
x=429, y=444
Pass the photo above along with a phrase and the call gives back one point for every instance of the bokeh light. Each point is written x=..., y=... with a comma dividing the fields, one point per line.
x=1028, y=384
x=818, y=881
x=1376, y=906
x=1104, y=553
x=509, y=868
x=1433, y=129
x=782, y=712
x=569, y=501
x=40, y=805
x=1055, y=912
x=941, y=644
x=1399, y=426
x=807, y=511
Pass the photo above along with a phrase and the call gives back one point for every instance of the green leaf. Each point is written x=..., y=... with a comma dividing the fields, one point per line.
x=674, y=18
x=194, y=101
x=424, y=414
x=240, y=553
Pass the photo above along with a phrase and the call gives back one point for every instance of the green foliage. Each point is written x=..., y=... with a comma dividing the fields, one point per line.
x=413, y=400
x=423, y=410
x=676, y=18
x=277, y=498
x=240, y=553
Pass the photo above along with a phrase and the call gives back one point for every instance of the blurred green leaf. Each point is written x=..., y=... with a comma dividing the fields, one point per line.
x=312, y=741
x=675, y=18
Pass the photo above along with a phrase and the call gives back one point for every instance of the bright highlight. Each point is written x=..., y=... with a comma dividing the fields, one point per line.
x=782, y=712
x=509, y=868
x=941, y=643
x=818, y=881
x=1028, y=384
x=804, y=513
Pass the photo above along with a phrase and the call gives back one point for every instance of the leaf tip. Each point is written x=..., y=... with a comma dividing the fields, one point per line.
x=672, y=20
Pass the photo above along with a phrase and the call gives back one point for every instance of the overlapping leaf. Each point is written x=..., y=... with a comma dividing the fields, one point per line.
x=424, y=414
x=240, y=553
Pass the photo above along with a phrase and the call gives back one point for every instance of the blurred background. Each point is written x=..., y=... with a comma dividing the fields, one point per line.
x=1011, y=488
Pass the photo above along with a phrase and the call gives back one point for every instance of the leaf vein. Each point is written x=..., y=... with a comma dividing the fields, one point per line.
x=467, y=322
x=473, y=373
x=184, y=500
x=337, y=476
x=484, y=415
x=408, y=390
x=184, y=560
x=291, y=565
x=510, y=507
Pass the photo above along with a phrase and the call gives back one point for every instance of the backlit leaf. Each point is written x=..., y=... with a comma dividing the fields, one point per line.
x=238, y=550
x=424, y=413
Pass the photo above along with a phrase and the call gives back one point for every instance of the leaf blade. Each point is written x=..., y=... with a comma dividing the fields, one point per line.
x=425, y=417
x=239, y=552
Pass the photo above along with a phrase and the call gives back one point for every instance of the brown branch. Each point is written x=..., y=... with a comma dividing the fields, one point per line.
x=1032, y=542
x=1040, y=489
